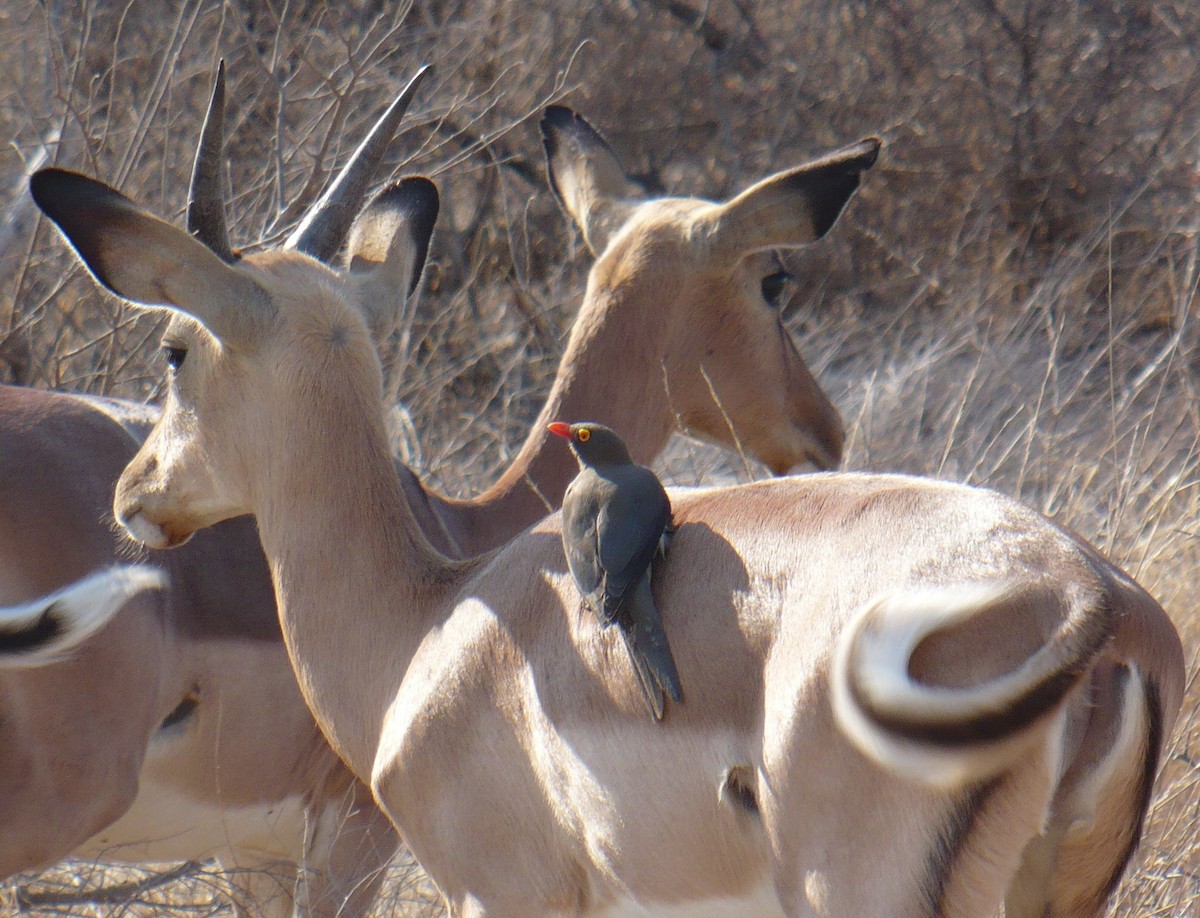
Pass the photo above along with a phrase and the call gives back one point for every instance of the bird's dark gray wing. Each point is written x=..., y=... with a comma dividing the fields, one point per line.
x=630, y=525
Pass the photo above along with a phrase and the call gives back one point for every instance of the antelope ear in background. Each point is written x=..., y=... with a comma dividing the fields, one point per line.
x=790, y=208
x=388, y=244
x=586, y=177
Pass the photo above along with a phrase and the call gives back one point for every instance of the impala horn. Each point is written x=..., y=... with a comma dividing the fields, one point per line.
x=206, y=202
x=323, y=229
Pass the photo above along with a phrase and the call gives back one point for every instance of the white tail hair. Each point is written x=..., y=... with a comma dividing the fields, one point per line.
x=895, y=719
x=51, y=627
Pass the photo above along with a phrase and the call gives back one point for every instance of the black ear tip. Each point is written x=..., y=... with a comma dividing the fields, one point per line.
x=46, y=185
x=551, y=126
x=38, y=185
x=81, y=207
x=871, y=147
x=417, y=197
x=419, y=193
x=556, y=118
x=61, y=192
x=832, y=180
x=856, y=158
x=565, y=126
x=829, y=202
x=553, y=123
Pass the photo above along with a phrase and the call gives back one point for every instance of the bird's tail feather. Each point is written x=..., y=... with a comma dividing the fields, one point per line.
x=648, y=649
x=646, y=681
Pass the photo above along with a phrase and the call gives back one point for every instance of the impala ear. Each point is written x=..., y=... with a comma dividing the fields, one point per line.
x=586, y=177
x=788, y=209
x=388, y=245
x=143, y=259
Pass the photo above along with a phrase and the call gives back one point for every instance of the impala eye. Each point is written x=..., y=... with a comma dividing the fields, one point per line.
x=175, y=356
x=773, y=286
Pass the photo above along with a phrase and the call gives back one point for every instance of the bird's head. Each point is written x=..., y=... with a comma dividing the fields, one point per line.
x=592, y=444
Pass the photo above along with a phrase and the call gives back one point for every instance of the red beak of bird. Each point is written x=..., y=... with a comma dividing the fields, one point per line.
x=560, y=429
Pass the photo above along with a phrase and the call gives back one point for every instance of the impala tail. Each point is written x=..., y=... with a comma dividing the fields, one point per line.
x=946, y=728
x=51, y=627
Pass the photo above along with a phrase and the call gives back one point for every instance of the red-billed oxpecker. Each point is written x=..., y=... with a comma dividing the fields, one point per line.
x=615, y=518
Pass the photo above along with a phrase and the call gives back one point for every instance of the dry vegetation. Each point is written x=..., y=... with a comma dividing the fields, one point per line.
x=1010, y=301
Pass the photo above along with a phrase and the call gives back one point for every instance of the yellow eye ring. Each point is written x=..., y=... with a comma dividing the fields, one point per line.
x=584, y=435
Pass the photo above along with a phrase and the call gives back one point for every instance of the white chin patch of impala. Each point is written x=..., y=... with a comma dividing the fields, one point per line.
x=144, y=531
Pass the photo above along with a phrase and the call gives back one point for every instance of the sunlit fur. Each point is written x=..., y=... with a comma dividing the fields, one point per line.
x=674, y=336
x=220, y=755
x=502, y=735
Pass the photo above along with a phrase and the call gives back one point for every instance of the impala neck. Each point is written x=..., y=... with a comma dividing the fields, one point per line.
x=357, y=584
x=605, y=376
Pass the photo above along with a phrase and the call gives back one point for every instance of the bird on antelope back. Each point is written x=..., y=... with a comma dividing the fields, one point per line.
x=615, y=518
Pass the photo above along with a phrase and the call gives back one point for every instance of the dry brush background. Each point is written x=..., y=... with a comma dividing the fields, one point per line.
x=1009, y=301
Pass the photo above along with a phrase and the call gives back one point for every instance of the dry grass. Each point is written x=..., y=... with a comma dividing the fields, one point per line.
x=81, y=889
x=1010, y=301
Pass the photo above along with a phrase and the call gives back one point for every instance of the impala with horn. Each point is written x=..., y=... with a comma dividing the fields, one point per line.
x=183, y=714
x=906, y=697
x=177, y=732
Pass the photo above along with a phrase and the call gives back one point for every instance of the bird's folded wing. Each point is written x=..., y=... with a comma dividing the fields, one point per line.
x=629, y=527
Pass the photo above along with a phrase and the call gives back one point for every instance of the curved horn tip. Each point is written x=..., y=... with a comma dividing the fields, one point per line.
x=206, y=200
x=399, y=107
x=423, y=71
